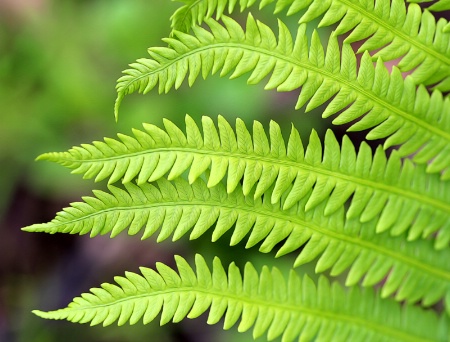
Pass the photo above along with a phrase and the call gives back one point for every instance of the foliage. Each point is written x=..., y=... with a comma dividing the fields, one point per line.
x=274, y=305
x=381, y=217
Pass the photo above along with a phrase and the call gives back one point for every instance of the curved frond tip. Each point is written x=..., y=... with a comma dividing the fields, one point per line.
x=371, y=98
x=176, y=209
x=377, y=187
x=292, y=307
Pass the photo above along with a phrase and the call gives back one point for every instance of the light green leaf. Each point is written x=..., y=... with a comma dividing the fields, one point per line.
x=311, y=308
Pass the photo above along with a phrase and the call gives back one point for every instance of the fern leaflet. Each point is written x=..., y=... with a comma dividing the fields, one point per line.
x=292, y=308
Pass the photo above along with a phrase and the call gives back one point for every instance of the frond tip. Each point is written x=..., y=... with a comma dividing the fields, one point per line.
x=293, y=308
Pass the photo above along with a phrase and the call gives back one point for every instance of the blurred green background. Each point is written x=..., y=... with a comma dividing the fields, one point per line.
x=59, y=61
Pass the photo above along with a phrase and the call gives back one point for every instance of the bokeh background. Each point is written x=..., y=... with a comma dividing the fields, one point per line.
x=59, y=61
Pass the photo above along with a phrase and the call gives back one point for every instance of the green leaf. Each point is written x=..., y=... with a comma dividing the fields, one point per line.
x=305, y=309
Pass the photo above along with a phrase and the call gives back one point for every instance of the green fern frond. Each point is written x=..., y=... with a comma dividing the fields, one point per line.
x=414, y=271
x=295, y=308
x=400, y=196
x=388, y=27
x=387, y=104
x=382, y=224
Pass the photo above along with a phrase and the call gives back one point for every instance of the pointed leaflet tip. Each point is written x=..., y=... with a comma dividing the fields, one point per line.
x=34, y=228
x=54, y=157
x=44, y=156
x=42, y=314
x=117, y=105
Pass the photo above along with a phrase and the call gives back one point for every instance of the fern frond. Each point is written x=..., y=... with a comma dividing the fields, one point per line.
x=338, y=245
x=402, y=196
x=388, y=27
x=387, y=104
x=294, y=308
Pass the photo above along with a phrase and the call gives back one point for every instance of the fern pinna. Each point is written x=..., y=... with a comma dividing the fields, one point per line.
x=382, y=220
